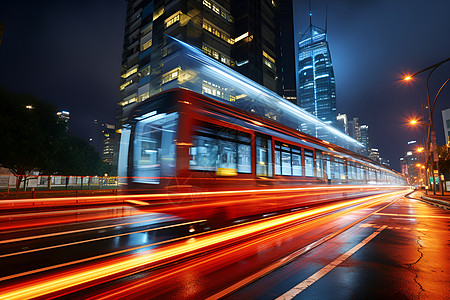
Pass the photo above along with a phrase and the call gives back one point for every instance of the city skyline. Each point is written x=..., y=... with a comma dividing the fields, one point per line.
x=81, y=72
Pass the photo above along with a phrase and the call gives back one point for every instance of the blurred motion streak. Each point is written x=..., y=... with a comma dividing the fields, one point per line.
x=116, y=267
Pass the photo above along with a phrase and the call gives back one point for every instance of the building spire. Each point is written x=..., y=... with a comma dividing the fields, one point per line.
x=310, y=13
x=326, y=19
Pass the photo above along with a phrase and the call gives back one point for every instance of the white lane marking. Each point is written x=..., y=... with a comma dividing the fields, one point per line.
x=413, y=216
x=319, y=274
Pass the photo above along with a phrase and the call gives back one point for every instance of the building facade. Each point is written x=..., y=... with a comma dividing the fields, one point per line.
x=244, y=35
x=342, y=123
x=316, y=87
x=446, y=121
x=364, y=138
x=109, y=133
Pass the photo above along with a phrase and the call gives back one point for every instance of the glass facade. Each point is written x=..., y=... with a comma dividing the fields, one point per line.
x=316, y=90
x=204, y=75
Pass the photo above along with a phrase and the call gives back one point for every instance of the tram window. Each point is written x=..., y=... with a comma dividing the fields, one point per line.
x=217, y=147
x=327, y=167
x=244, y=159
x=341, y=166
x=277, y=160
x=334, y=169
x=319, y=164
x=286, y=168
x=153, y=144
x=263, y=156
x=204, y=154
x=296, y=164
x=360, y=174
x=288, y=160
x=309, y=163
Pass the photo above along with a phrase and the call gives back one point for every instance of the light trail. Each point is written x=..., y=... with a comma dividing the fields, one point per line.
x=289, y=258
x=81, y=230
x=99, y=239
x=92, y=258
x=120, y=292
x=163, y=196
x=44, y=286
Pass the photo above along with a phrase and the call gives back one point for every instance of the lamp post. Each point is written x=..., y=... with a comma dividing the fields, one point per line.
x=431, y=138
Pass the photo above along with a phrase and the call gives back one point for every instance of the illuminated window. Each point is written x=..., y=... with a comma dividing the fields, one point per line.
x=172, y=19
x=216, y=54
x=125, y=84
x=242, y=36
x=268, y=63
x=129, y=101
x=169, y=76
x=146, y=45
x=215, y=7
x=130, y=72
x=144, y=97
x=158, y=13
x=268, y=56
x=207, y=3
x=225, y=60
x=217, y=32
x=144, y=72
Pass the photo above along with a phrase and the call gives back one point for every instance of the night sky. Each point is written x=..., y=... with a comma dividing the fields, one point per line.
x=69, y=53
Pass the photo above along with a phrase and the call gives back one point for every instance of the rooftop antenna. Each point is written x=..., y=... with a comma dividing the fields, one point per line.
x=326, y=19
x=310, y=13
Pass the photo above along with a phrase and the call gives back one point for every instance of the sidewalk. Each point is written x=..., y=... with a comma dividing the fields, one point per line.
x=441, y=200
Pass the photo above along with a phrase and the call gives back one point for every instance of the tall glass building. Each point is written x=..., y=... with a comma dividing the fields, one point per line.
x=316, y=87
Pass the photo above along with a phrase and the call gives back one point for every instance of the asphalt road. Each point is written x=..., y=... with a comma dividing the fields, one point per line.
x=369, y=248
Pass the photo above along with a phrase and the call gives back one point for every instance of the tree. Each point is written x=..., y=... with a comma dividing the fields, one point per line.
x=35, y=139
x=30, y=132
x=444, y=159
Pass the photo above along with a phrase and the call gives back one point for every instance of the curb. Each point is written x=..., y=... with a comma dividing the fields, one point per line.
x=443, y=204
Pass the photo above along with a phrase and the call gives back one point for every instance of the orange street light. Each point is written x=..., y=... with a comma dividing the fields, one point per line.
x=431, y=138
x=416, y=122
x=420, y=149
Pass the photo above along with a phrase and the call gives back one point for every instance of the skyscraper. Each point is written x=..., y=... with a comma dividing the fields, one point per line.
x=354, y=129
x=242, y=34
x=364, y=139
x=316, y=87
x=109, y=133
x=342, y=123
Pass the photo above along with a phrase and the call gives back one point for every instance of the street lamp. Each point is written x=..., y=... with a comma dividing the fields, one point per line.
x=431, y=138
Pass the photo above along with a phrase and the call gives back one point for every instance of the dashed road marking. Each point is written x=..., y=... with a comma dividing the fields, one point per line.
x=319, y=274
x=390, y=227
x=412, y=216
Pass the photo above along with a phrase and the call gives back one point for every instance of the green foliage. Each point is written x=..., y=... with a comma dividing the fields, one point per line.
x=27, y=134
x=34, y=139
x=444, y=159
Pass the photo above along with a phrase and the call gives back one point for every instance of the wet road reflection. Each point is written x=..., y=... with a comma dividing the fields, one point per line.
x=155, y=255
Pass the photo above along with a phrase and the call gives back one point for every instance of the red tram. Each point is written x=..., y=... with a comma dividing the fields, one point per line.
x=231, y=163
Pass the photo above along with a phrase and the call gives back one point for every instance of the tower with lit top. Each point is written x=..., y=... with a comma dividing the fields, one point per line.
x=316, y=87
